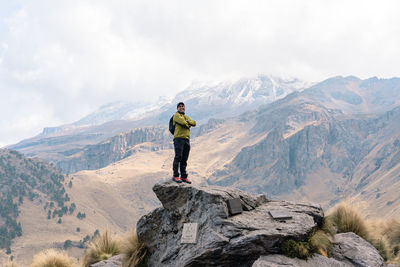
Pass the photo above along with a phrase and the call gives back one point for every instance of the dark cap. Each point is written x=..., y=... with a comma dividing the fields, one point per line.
x=180, y=103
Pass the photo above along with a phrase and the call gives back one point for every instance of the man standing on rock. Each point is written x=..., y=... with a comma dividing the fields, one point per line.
x=182, y=125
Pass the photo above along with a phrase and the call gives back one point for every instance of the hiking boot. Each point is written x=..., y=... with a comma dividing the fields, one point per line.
x=186, y=180
x=177, y=179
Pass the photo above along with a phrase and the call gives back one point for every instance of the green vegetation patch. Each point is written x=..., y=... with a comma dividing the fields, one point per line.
x=24, y=178
x=319, y=241
x=296, y=249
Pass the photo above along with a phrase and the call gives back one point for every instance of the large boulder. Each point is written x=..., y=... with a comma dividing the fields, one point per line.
x=317, y=260
x=223, y=240
x=348, y=250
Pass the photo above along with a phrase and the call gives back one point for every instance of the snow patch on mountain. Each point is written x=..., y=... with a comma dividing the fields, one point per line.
x=231, y=98
x=261, y=88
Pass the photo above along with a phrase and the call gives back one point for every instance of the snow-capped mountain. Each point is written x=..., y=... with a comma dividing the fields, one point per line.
x=263, y=89
x=204, y=100
x=227, y=99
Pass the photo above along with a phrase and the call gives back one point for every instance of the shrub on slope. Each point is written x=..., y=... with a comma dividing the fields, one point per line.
x=101, y=248
x=52, y=258
x=347, y=219
x=134, y=251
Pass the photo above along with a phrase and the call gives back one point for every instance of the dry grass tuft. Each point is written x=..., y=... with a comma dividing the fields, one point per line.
x=347, y=219
x=101, y=248
x=381, y=245
x=328, y=227
x=377, y=237
x=133, y=250
x=52, y=258
x=321, y=242
x=392, y=231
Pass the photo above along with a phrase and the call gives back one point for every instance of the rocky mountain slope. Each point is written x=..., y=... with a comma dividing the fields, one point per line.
x=116, y=148
x=347, y=94
x=222, y=100
x=353, y=95
x=315, y=146
x=310, y=144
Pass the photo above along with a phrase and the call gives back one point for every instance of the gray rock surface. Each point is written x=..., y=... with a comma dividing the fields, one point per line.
x=351, y=248
x=348, y=250
x=223, y=240
x=317, y=260
x=115, y=261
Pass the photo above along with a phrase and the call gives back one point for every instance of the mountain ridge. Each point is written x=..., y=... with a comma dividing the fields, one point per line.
x=53, y=145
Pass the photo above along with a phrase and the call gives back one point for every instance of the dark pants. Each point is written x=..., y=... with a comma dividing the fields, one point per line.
x=182, y=148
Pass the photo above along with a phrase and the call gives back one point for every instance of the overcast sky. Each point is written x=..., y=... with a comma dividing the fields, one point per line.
x=60, y=60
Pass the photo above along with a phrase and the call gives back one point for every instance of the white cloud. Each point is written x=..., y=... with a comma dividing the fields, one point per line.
x=66, y=58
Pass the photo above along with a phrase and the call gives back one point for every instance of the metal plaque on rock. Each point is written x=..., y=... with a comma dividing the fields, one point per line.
x=234, y=206
x=280, y=214
x=189, y=233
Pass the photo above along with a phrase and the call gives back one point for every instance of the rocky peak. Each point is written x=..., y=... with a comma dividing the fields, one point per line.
x=252, y=237
x=223, y=240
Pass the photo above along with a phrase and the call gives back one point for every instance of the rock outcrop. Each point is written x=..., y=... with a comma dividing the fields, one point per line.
x=223, y=240
x=251, y=238
x=277, y=260
x=97, y=156
x=352, y=249
x=348, y=250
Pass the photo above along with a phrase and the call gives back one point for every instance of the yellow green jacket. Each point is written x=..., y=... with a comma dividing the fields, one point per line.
x=182, y=125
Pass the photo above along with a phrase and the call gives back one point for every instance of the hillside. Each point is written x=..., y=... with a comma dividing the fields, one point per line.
x=315, y=152
x=37, y=210
x=21, y=180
